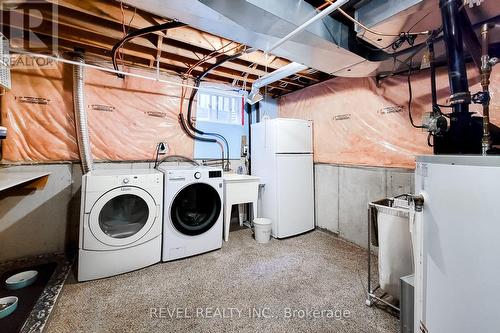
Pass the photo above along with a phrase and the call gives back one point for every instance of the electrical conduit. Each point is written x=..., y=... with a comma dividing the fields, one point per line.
x=187, y=124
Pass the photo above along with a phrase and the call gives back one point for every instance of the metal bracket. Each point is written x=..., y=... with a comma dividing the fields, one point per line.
x=460, y=97
x=472, y=3
x=481, y=97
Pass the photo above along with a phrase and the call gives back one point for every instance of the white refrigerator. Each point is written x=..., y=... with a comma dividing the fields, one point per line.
x=282, y=156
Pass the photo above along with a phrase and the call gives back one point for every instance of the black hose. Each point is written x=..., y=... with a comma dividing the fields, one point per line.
x=410, y=93
x=197, y=85
x=138, y=33
x=182, y=121
x=193, y=95
x=429, y=140
x=191, y=135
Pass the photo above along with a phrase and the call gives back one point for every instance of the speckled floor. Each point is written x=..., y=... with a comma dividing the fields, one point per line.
x=310, y=283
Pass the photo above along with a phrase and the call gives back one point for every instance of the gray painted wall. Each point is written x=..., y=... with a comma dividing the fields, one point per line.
x=342, y=194
x=46, y=220
x=36, y=222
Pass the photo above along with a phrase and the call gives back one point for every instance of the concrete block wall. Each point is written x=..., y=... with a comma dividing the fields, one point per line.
x=342, y=194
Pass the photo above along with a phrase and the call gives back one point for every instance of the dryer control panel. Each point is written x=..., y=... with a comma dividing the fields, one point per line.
x=99, y=180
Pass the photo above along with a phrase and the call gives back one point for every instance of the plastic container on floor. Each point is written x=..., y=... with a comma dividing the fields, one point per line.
x=262, y=230
x=21, y=280
x=8, y=305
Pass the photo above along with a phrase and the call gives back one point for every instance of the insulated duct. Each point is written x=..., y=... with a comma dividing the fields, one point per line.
x=82, y=132
x=329, y=44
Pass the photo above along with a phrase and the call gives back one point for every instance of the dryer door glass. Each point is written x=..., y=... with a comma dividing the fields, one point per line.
x=123, y=216
x=195, y=209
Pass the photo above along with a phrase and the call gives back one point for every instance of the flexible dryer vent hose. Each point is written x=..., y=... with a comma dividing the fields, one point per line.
x=82, y=132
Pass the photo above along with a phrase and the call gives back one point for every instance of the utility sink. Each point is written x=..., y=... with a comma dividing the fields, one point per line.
x=234, y=177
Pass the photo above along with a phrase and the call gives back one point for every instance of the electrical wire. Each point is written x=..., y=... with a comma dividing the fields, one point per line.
x=418, y=48
x=187, y=125
x=420, y=20
x=410, y=93
x=125, y=31
x=139, y=33
x=407, y=36
x=199, y=62
x=429, y=139
x=178, y=158
x=193, y=94
x=444, y=106
x=157, y=154
x=378, y=48
x=349, y=17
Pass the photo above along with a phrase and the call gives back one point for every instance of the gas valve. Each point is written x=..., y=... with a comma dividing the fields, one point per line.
x=435, y=123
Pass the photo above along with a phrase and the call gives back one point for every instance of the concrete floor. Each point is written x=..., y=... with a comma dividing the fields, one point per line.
x=280, y=281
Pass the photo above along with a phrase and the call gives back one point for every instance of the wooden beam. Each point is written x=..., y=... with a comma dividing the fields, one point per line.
x=135, y=55
x=138, y=49
x=111, y=12
x=98, y=24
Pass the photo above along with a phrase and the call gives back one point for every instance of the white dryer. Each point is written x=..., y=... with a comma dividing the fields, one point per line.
x=120, y=222
x=192, y=211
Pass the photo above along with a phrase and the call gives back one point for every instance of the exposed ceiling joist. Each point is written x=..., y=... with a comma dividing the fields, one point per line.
x=98, y=25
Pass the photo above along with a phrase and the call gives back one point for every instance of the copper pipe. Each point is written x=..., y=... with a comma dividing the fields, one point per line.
x=485, y=82
x=326, y=3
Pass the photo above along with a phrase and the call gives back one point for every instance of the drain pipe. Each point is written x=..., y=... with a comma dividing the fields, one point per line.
x=416, y=231
x=82, y=132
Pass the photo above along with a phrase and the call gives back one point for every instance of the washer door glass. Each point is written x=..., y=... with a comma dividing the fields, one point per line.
x=195, y=209
x=123, y=216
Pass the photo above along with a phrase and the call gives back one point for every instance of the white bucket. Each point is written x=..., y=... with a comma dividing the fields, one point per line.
x=262, y=229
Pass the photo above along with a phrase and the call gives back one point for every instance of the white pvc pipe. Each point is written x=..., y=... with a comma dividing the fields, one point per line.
x=317, y=17
x=278, y=74
x=416, y=220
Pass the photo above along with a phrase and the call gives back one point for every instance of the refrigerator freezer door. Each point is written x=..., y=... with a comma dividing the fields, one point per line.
x=295, y=195
x=292, y=136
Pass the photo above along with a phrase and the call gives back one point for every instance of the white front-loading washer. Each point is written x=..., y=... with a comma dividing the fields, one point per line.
x=192, y=210
x=120, y=222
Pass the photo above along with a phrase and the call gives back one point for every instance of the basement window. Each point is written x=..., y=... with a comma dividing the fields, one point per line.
x=219, y=111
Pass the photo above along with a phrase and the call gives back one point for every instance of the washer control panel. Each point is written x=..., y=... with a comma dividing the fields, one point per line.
x=193, y=174
x=215, y=174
